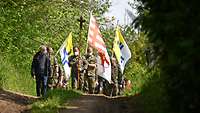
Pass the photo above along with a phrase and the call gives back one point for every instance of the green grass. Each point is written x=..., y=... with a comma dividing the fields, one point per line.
x=148, y=86
x=18, y=79
x=54, y=100
x=144, y=82
x=15, y=79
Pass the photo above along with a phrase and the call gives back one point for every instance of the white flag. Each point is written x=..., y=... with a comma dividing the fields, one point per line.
x=103, y=68
x=65, y=51
x=95, y=40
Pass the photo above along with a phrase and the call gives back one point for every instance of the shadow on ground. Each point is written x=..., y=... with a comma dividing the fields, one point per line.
x=11, y=102
x=102, y=104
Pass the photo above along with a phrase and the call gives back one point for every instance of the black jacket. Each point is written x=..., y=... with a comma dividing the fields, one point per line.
x=73, y=63
x=41, y=65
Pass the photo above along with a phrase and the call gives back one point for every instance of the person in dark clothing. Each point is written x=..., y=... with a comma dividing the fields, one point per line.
x=50, y=77
x=40, y=70
x=73, y=63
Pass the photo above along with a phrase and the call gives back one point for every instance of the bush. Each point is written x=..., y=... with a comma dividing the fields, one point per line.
x=173, y=28
x=145, y=76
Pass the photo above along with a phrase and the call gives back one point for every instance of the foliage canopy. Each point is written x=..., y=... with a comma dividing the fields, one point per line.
x=26, y=24
x=173, y=28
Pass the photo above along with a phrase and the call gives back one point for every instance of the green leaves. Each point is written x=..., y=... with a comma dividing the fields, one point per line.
x=173, y=29
x=27, y=24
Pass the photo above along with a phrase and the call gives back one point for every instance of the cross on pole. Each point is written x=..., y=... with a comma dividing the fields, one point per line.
x=81, y=20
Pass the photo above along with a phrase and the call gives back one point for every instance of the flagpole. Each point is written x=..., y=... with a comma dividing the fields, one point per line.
x=89, y=13
x=58, y=51
x=81, y=20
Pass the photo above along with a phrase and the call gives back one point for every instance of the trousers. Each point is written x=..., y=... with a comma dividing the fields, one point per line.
x=41, y=85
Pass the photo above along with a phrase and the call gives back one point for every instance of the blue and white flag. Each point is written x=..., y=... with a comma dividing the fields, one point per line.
x=121, y=50
x=66, y=50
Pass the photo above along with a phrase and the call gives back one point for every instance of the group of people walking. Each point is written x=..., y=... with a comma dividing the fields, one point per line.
x=49, y=73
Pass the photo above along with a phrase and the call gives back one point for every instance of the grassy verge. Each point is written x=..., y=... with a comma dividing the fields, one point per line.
x=12, y=78
x=54, y=100
x=150, y=90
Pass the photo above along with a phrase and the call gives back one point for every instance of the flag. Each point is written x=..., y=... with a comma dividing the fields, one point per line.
x=95, y=40
x=66, y=50
x=121, y=50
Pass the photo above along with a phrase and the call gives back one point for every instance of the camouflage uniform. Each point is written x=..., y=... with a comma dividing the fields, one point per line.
x=106, y=88
x=121, y=82
x=100, y=85
x=90, y=72
x=61, y=83
x=114, y=77
x=57, y=74
x=50, y=79
x=82, y=69
x=73, y=63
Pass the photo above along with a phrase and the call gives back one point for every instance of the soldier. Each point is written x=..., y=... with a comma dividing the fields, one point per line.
x=114, y=76
x=82, y=70
x=106, y=88
x=41, y=70
x=55, y=73
x=100, y=85
x=73, y=63
x=85, y=77
x=51, y=57
x=99, y=72
x=121, y=82
x=59, y=78
x=91, y=69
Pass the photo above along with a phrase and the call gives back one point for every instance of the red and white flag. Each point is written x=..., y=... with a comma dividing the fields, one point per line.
x=95, y=40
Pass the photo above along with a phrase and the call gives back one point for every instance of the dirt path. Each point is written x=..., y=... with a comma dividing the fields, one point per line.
x=12, y=102
x=101, y=104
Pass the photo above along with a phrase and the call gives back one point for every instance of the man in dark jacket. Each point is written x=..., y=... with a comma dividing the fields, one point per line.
x=40, y=70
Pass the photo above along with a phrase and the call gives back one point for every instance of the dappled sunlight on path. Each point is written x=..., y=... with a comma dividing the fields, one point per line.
x=101, y=104
x=12, y=102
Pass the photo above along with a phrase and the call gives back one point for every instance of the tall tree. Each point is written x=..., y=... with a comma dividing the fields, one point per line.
x=26, y=24
x=173, y=27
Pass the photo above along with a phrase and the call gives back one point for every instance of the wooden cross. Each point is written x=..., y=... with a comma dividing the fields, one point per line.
x=81, y=20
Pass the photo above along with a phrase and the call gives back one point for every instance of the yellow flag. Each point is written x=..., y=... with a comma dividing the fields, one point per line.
x=121, y=49
x=66, y=50
x=69, y=45
x=116, y=48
